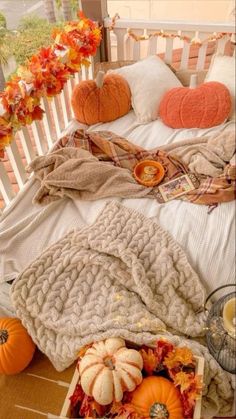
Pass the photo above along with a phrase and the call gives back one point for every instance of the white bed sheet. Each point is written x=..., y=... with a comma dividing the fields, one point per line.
x=208, y=239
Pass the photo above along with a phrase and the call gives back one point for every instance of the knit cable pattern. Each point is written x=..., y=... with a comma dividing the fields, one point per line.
x=122, y=276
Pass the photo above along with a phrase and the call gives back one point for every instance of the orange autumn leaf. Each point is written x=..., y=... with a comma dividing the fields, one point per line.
x=124, y=411
x=6, y=134
x=116, y=406
x=180, y=356
x=183, y=380
x=45, y=74
x=150, y=360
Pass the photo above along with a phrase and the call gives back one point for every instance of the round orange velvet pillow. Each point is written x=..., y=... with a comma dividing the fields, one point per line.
x=196, y=107
x=102, y=100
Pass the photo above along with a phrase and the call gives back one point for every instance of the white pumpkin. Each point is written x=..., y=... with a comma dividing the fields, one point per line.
x=108, y=369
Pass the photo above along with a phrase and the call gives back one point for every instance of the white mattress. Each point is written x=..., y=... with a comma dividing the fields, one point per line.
x=208, y=239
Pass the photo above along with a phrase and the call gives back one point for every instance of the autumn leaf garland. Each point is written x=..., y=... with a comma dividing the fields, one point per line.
x=45, y=74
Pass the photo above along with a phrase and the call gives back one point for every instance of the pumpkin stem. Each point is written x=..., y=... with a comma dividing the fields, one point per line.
x=3, y=336
x=100, y=79
x=193, y=81
x=109, y=363
x=159, y=411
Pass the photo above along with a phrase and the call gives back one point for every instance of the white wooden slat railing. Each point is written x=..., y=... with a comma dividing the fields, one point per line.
x=37, y=138
x=5, y=185
x=26, y=143
x=132, y=50
x=17, y=164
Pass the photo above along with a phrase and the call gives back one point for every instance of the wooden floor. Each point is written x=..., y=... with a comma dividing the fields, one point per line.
x=36, y=392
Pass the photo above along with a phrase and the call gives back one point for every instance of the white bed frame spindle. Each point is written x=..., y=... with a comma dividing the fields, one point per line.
x=38, y=138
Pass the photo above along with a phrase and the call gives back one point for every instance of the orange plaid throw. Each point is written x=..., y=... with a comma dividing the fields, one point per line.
x=118, y=151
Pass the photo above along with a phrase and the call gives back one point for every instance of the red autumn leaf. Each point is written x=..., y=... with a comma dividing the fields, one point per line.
x=91, y=409
x=127, y=397
x=188, y=406
x=163, y=348
x=77, y=396
x=150, y=360
x=37, y=113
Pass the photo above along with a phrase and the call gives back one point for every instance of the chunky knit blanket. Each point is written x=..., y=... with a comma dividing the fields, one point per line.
x=122, y=276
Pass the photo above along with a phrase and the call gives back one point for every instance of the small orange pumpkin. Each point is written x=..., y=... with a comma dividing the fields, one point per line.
x=204, y=106
x=16, y=346
x=157, y=397
x=103, y=100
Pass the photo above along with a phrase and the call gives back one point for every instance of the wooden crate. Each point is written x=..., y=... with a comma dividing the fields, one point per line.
x=65, y=412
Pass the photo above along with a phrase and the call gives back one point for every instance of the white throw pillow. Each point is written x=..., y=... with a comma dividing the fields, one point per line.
x=148, y=80
x=222, y=69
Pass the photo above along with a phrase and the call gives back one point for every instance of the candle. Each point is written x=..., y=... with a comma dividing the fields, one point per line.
x=229, y=317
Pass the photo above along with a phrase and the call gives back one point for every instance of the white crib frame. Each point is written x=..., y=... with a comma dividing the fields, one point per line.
x=58, y=111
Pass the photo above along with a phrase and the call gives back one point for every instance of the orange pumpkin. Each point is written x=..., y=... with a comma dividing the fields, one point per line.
x=157, y=397
x=16, y=346
x=204, y=106
x=103, y=100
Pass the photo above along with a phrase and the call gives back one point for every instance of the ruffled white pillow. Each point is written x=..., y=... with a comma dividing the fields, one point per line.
x=148, y=80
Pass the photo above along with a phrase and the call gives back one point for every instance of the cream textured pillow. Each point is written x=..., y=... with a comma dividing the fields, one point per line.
x=148, y=80
x=222, y=69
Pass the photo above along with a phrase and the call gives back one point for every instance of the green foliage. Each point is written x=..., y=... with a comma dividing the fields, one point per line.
x=33, y=33
x=74, y=4
x=3, y=22
x=5, y=40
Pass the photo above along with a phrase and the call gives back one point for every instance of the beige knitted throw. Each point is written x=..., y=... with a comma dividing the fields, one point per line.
x=122, y=276
x=99, y=164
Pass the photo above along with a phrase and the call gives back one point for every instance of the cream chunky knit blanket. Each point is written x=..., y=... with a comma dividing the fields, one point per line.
x=122, y=276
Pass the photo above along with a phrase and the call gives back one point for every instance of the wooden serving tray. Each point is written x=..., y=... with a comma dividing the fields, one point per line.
x=65, y=412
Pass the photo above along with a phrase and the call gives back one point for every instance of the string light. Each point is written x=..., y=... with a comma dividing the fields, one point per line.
x=193, y=41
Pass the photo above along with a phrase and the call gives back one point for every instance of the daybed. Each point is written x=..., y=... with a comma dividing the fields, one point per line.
x=207, y=237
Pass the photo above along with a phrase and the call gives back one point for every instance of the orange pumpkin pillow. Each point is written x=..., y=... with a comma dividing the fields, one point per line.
x=204, y=106
x=102, y=100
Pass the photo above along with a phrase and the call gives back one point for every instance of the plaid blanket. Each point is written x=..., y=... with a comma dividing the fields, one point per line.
x=113, y=149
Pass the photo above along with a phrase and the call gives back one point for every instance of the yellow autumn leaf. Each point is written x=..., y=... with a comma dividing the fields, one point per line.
x=29, y=103
x=85, y=62
x=183, y=380
x=68, y=28
x=25, y=74
x=72, y=54
x=97, y=32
